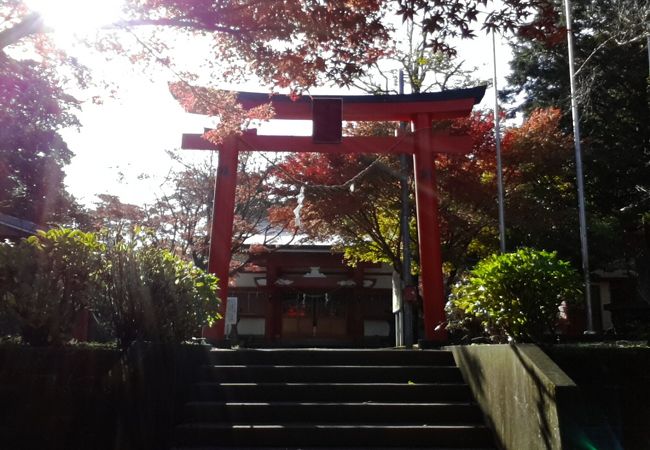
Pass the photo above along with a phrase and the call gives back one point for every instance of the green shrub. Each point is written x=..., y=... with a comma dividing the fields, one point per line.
x=515, y=295
x=150, y=294
x=45, y=280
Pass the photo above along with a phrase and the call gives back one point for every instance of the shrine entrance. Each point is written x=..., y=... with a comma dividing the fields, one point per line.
x=328, y=113
x=314, y=315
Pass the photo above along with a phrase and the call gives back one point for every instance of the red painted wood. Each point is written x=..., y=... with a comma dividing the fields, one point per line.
x=304, y=144
x=355, y=313
x=300, y=282
x=426, y=196
x=286, y=260
x=196, y=142
x=221, y=234
x=274, y=312
x=249, y=141
x=356, y=109
x=276, y=315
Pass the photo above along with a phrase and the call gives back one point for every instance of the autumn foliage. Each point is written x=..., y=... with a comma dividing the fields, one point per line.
x=232, y=117
x=354, y=200
x=350, y=200
x=294, y=44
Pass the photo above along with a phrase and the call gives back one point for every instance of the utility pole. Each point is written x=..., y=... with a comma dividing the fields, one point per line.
x=497, y=139
x=579, y=175
x=407, y=281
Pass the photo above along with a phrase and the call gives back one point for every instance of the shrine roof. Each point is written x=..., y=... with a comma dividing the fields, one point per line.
x=12, y=227
x=288, y=239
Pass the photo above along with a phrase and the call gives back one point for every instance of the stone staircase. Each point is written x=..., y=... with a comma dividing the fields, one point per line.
x=331, y=399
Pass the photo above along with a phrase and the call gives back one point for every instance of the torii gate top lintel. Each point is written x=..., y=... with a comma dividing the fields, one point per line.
x=436, y=106
x=440, y=105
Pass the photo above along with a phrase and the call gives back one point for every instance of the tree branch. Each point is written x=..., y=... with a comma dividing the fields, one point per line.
x=175, y=23
x=31, y=24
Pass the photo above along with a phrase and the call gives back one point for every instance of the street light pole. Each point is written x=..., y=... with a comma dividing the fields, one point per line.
x=579, y=174
x=497, y=139
x=407, y=307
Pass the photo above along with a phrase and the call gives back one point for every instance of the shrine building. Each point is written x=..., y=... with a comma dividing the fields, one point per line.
x=307, y=295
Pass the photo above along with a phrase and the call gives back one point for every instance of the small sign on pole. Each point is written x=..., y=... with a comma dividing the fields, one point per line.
x=397, y=293
x=231, y=313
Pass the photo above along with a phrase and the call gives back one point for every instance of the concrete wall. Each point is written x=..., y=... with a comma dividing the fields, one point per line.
x=55, y=398
x=528, y=400
x=615, y=382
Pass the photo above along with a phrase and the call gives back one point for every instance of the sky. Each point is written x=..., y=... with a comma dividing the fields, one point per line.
x=126, y=137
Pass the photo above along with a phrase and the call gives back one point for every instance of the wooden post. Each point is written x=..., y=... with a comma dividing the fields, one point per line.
x=426, y=197
x=274, y=307
x=223, y=213
x=81, y=325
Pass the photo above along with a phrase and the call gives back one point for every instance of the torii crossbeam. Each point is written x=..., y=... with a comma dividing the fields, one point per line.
x=423, y=144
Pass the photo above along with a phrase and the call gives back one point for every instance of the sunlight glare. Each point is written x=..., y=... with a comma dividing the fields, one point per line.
x=75, y=16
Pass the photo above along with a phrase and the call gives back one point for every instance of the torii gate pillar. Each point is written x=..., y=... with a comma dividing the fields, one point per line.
x=426, y=199
x=223, y=214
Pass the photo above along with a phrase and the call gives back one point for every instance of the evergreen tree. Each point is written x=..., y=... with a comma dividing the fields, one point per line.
x=33, y=109
x=612, y=81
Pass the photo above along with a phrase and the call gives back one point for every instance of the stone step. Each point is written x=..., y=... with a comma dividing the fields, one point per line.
x=331, y=373
x=333, y=435
x=333, y=399
x=330, y=412
x=332, y=392
x=332, y=448
x=331, y=357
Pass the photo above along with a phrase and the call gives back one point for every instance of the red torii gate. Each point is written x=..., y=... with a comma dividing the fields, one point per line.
x=420, y=109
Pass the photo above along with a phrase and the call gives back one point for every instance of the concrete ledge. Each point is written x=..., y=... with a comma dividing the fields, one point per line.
x=528, y=400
